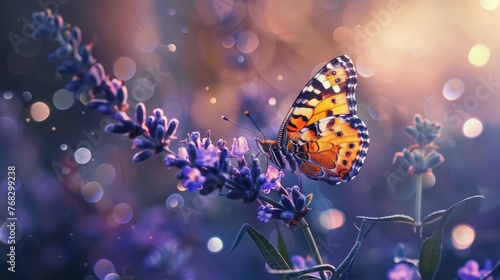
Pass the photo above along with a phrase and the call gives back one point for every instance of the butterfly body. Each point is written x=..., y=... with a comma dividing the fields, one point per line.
x=322, y=136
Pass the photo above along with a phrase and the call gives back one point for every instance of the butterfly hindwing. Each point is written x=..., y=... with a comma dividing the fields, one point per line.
x=331, y=149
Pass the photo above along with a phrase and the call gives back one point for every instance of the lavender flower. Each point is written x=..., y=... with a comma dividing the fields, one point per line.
x=424, y=132
x=401, y=271
x=202, y=160
x=292, y=208
x=470, y=271
x=423, y=156
x=107, y=96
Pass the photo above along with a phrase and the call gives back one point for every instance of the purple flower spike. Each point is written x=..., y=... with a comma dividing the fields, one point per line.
x=142, y=155
x=140, y=113
x=96, y=75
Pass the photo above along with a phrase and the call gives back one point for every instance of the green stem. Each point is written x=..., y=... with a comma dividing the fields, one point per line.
x=418, y=209
x=312, y=245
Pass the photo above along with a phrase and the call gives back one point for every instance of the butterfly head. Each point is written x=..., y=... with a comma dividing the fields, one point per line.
x=270, y=148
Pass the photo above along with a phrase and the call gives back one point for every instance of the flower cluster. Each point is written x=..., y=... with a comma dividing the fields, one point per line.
x=203, y=165
x=402, y=271
x=107, y=96
x=423, y=156
x=471, y=271
x=292, y=207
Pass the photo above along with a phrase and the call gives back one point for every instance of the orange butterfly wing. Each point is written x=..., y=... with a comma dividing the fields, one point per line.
x=322, y=136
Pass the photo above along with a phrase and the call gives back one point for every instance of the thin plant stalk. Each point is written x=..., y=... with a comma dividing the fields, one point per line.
x=418, y=209
x=312, y=245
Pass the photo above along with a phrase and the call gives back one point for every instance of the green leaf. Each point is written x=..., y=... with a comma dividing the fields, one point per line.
x=430, y=255
x=347, y=263
x=272, y=257
x=282, y=247
x=432, y=217
x=393, y=218
x=303, y=274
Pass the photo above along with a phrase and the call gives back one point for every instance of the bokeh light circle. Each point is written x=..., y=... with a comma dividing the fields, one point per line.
x=175, y=201
x=146, y=40
x=124, y=68
x=39, y=111
x=142, y=89
x=215, y=244
x=331, y=219
x=27, y=96
x=105, y=174
x=247, y=41
x=122, y=213
x=489, y=5
x=112, y=276
x=6, y=235
x=63, y=99
x=82, y=155
x=463, y=235
x=228, y=42
x=479, y=55
x=472, y=128
x=92, y=191
x=453, y=89
x=103, y=267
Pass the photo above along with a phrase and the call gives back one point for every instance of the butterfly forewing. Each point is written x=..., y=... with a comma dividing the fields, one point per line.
x=321, y=135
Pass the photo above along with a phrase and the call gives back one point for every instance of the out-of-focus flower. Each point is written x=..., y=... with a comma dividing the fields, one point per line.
x=293, y=207
x=423, y=156
x=107, y=96
x=424, y=132
x=419, y=161
x=401, y=271
x=470, y=271
x=300, y=263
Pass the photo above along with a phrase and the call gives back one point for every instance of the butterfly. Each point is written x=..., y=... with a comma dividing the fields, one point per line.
x=322, y=136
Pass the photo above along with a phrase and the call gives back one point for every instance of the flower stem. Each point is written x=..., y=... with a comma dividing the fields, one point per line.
x=312, y=245
x=418, y=209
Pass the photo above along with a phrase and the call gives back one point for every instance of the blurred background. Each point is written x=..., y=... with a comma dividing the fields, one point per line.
x=85, y=211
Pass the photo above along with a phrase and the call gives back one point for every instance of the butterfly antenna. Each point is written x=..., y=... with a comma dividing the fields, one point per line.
x=259, y=133
x=255, y=124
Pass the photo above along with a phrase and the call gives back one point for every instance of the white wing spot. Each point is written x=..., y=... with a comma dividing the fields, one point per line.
x=326, y=84
x=336, y=88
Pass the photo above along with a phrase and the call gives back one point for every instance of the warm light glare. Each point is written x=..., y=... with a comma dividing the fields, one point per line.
x=213, y=100
x=472, y=128
x=479, y=55
x=172, y=47
x=272, y=101
x=214, y=245
x=453, y=89
x=463, y=236
x=332, y=218
x=39, y=111
x=489, y=5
